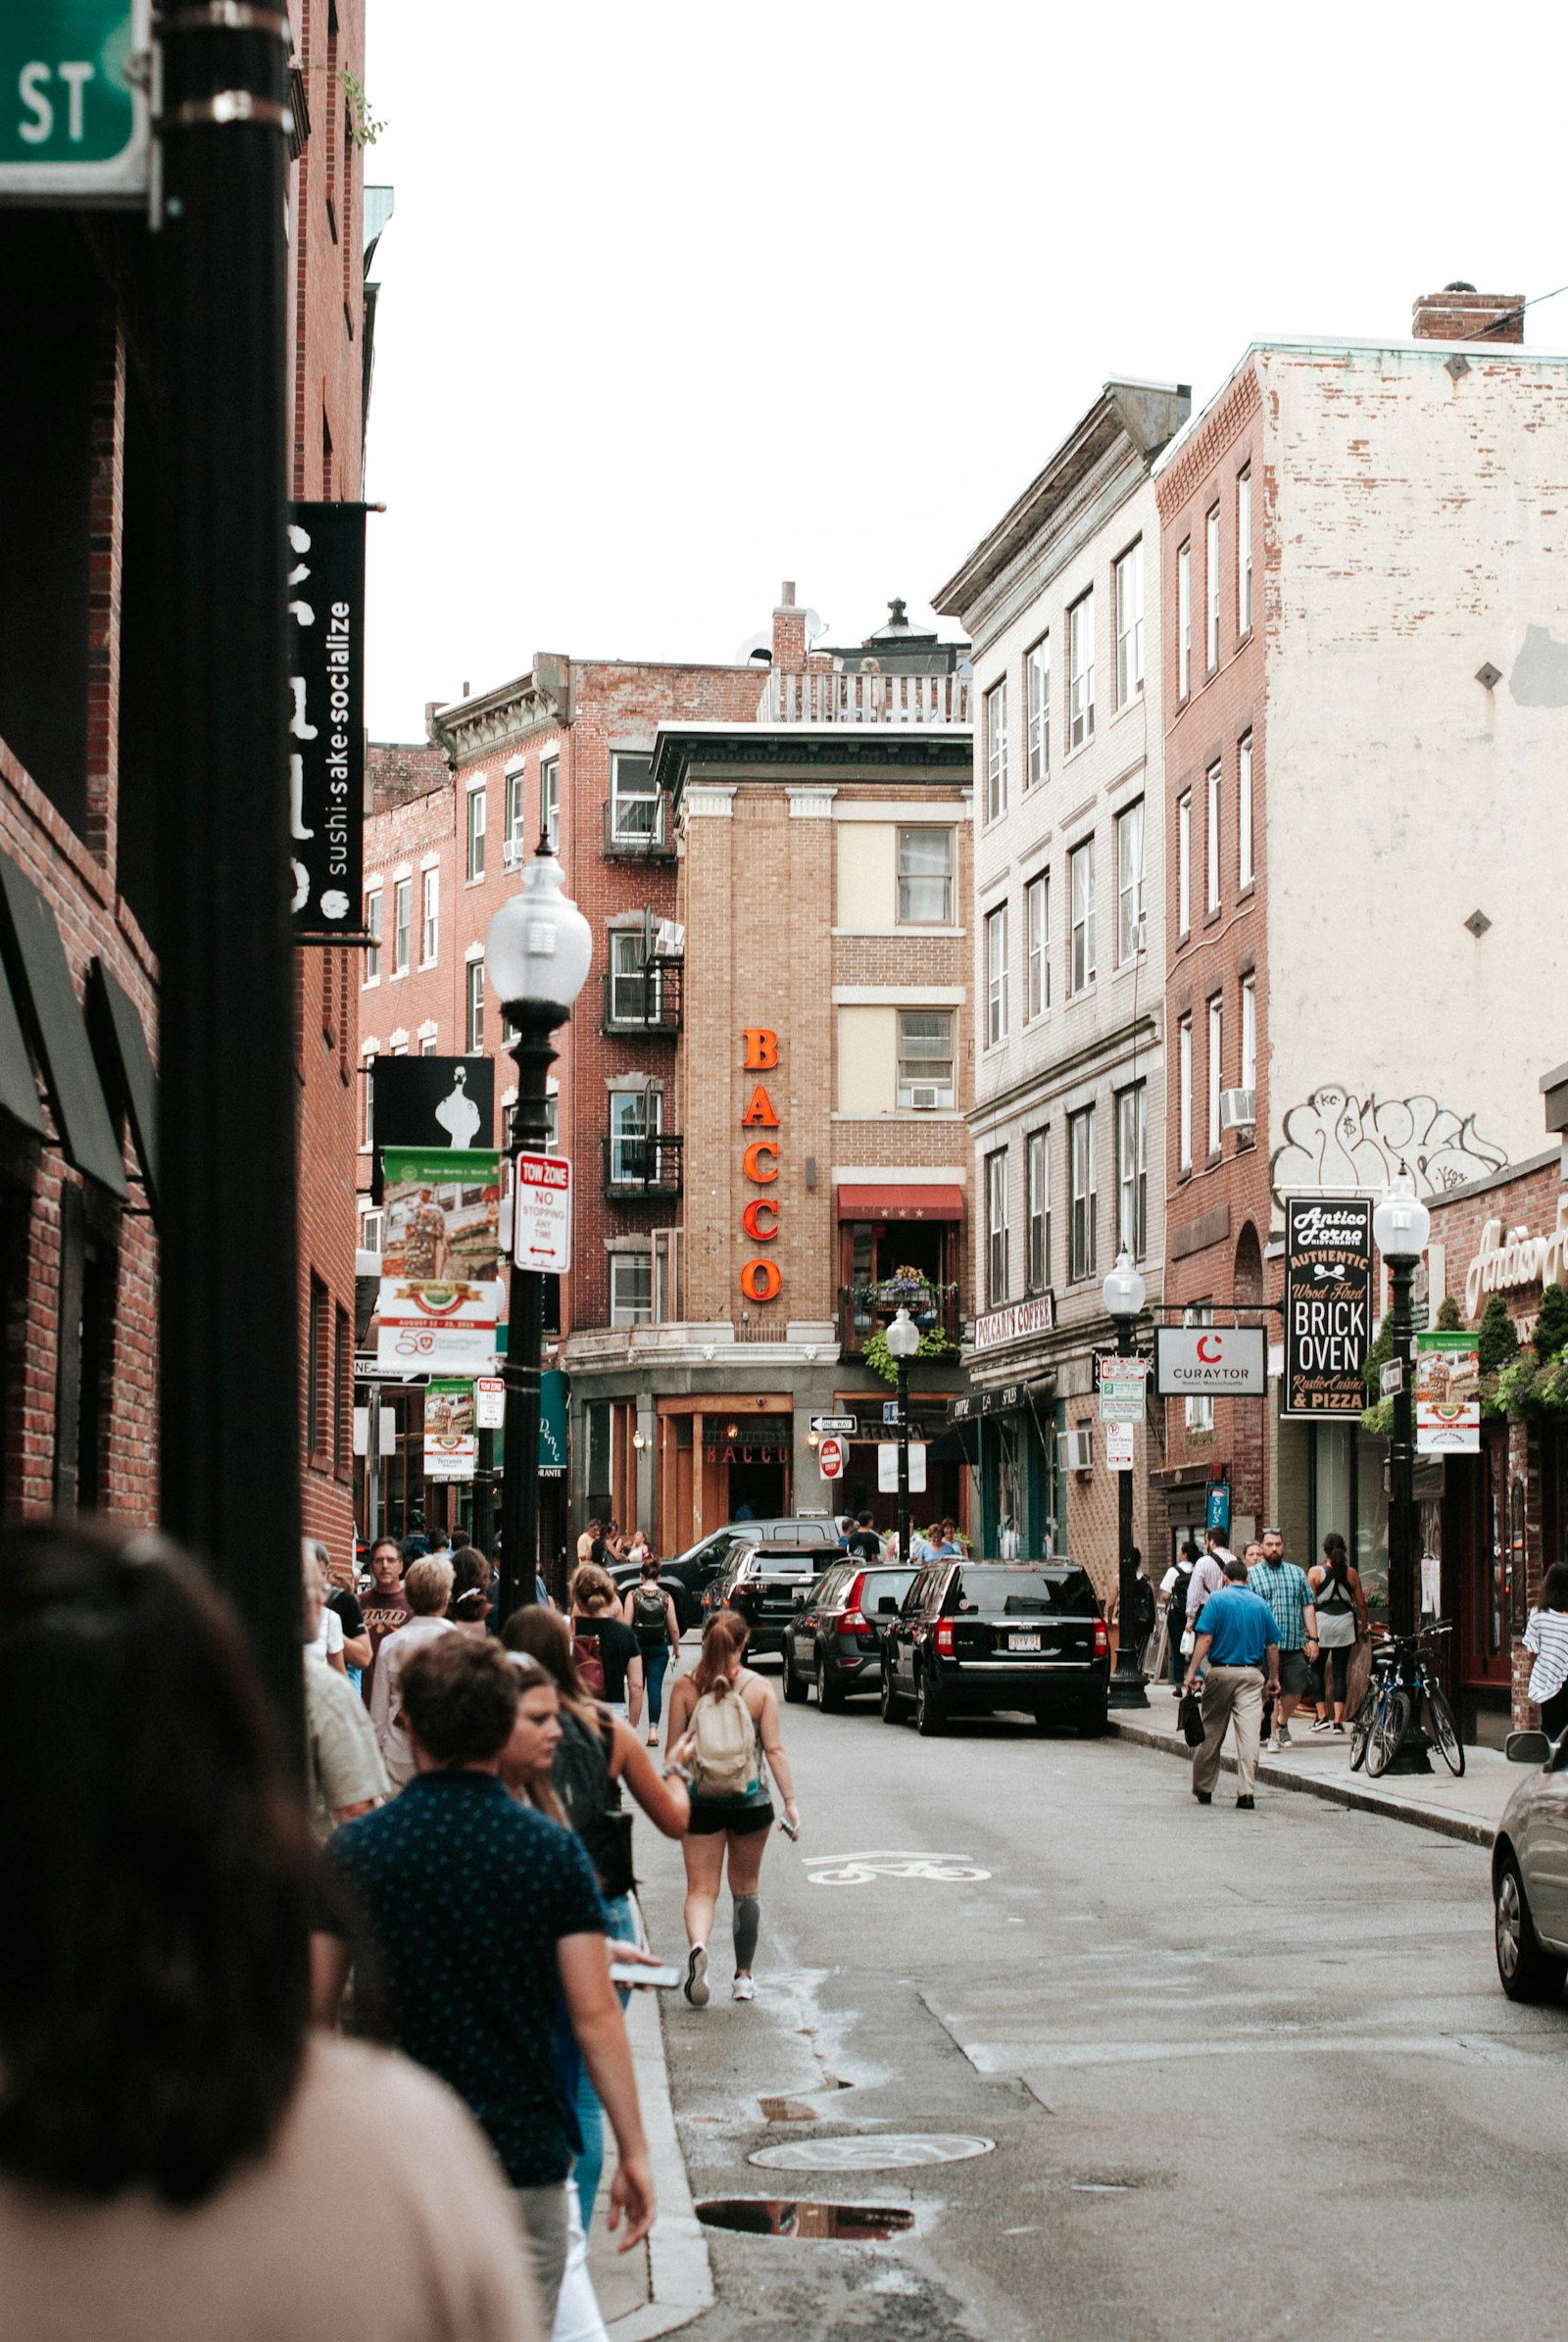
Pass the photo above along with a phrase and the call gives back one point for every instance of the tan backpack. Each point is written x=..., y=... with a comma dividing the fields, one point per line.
x=724, y=1753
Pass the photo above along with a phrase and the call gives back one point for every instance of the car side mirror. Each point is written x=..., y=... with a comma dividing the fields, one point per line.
x=1527, y=1748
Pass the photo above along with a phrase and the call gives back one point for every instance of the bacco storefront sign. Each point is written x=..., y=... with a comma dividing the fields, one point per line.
x=1201, y=1362
x=761, y=1278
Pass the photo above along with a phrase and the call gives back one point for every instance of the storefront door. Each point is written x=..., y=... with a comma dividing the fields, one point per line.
x=1476, y=1537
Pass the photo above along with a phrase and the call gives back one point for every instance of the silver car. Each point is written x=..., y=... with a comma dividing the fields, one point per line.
x=1530, y=1872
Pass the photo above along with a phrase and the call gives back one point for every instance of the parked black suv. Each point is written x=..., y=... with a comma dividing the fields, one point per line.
x=690, y=1574
x=834, y=1640
x=975, y=1637
x=761, y=1583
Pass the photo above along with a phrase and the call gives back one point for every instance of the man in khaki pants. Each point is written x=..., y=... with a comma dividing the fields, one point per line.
x=1235, y=1654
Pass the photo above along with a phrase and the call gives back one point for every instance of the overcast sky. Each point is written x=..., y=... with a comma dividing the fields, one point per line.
x=681, y=300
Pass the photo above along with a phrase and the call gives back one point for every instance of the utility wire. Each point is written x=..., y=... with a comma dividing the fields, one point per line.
x=1482, y=331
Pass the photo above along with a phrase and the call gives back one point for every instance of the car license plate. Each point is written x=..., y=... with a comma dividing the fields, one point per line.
x=1023, y=1642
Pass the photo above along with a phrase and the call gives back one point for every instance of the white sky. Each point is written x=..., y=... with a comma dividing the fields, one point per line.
x=682, y=299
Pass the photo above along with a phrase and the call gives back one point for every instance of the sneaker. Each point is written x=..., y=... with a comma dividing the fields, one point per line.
x=1247, y=1805
x=695, y=1984
x=1339, y=1728
x=1283, y=1738
x=743, y=1989
x=1271, y=1746
x=1322, y=1725
x=1204, y=1796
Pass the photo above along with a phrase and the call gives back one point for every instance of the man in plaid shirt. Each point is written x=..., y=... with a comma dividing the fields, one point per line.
x=1284, y=1588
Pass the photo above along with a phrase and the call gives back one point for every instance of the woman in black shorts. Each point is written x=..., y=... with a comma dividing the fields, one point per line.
x=733, y=1828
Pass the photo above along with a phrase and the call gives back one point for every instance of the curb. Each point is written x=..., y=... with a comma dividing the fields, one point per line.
x=1359, y=1799
x=680, y=2274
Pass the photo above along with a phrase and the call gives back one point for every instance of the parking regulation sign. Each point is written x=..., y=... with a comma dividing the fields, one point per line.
x=72, y=118
x=541, y=1214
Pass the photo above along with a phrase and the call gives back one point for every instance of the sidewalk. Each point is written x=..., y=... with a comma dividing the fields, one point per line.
x=1320, y=1765
x=667, y=2281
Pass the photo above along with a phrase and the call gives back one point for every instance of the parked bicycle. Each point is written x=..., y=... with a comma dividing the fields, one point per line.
x=1402, y=1684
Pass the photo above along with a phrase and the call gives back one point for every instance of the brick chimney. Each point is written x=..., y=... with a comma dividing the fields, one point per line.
x=1459, y=314
x=789, y=633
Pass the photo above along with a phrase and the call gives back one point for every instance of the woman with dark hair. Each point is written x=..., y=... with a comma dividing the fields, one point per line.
x=650, y=1612
x=470, y=1606
x=1545, y=1636
x=168, y=2128
x=1340, y=1607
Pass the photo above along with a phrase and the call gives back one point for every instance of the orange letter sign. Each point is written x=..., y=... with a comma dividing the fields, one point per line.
x=752, y=1219
x=761, y=1049
x=761, y=1281
x=761, y=1110
x=751, y=1160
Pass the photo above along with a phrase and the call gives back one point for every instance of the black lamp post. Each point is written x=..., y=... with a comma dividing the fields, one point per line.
x=904, y=1341
x=1401, y=1226
x=538, y=952
x=1123, y=1293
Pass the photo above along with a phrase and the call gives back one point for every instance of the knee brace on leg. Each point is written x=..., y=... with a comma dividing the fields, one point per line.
x=748, y=1921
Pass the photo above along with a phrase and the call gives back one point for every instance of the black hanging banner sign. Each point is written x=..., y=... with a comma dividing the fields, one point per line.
x=1328, y=1303
x=430, y=1101
x=326, y=717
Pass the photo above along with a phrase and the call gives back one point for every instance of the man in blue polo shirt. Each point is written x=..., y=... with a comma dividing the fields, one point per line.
x=1238, y=1644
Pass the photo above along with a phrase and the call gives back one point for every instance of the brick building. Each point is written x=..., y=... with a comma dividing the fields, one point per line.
x=1361, y=576
x=80, y=807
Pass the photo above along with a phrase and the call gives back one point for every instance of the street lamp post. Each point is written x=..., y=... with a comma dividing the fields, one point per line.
x=903, y=1340
x=1123, y=1293
x=538, y=952
x=1401, y=1226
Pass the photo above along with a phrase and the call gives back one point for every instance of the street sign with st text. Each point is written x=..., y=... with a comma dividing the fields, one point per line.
x=848, y=1425
x=74, y=124
x=541, y=1214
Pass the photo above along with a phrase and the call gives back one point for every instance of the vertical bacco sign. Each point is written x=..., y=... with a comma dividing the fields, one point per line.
x=1328, y=1303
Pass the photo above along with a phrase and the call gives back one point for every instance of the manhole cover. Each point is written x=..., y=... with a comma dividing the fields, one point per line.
x=847, y=2224
x=870, y=2153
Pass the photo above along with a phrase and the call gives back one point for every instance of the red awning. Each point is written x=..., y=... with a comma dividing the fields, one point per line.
x=901, y=1204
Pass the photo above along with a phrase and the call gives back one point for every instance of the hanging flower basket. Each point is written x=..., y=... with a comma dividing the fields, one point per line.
x=908, y=1289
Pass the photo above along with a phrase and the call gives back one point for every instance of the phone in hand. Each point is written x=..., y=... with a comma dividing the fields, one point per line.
x=664, y=1978
x=791, y=1829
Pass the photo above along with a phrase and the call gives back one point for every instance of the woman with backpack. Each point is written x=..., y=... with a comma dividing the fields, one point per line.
x=732, y=1718
x=1340, y=1607
x=605, y=1649
x=651, y=1615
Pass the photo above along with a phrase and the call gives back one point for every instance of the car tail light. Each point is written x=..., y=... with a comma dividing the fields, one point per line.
x=853, y=1623
x=944, y=1639
x=1102, y=1639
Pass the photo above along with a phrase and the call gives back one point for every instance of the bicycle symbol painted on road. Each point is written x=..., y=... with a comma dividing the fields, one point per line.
x=858, y=1870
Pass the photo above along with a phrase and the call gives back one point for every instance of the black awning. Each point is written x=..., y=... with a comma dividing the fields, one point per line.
x=41, y=987
x=19, y=1087
x=125, y=1063
x=959, y=1443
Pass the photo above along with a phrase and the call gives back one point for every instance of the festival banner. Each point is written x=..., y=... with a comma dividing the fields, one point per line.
x=1447, y=1395
x=451, y=1440
x=440, y=1294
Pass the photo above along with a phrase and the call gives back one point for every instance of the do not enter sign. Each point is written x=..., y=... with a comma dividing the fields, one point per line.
x=830, y=1458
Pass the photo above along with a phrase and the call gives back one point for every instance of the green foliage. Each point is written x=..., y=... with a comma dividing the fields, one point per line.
x=1550, y=1336
x=1449, y=1319
x=1378, y=1357
x=1497, y=1336
x=365, y=127
x=1378, y=1419
x=934, y=1343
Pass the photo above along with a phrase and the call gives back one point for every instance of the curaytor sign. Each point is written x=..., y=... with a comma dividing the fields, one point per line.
x=1203, y=1361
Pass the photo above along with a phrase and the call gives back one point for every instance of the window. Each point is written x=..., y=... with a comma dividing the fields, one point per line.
x=1216, y=1052
x=1037, y=1199
x=634, y=801
x=1132, y=1170
x=1081, y=891
x=1184, y=621
x=373, y=928
x=1037, y=946
x=516, y=818
x=473, y=1008
x=631, y=1289
x=428, y=1046
x=1081, y=1173
x=550, y=800
x=1245, y=870
x=402, y=911
x=1184, y=862
x=996, y=976
x=1250, y=1033
x=342, y=1392
x=997, y=1228
x=1130, y=625
x=368, y=1126
x=1211, y=837
x=372, y=1225
x=318, y=1397
x=997, y=751
x=552, y=1121
x=430, y=925
x=1184, y=1094
x=635, y=1118
x=1080, y=671
x=925, y=877
x=476, y=833
x=1130, y=883
x=1038, y=669
x=1244, y=552
x=1211, y=586
x=925, y=1058
x=633, y=991
x=1200, y=1412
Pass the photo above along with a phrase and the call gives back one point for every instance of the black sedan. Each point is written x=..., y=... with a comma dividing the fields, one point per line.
x=688, y=1575
x=978, y=1637
x=761, y=1583
x=834, y=1640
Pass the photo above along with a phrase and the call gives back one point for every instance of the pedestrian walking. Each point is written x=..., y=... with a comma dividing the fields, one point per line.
x=732, y=1716
x=342, y=1596
x=428, y=1585
x=605, y=1647
x=384, y=1604
x=470, y=1606
x=1236, y=1657
x=863, y=1542
x=1145, y=1611
x=650, y=1612
x=1208, y=1575
x=1284, y=1588
x=1339, y=1606
x=1174, y=1587
x=482, y=1915
x=324, y=1645
x=1545, y=1635
x=173, y=2127
x=344, y=1775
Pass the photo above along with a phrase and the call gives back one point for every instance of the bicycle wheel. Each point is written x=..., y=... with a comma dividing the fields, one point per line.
x=1392, y=1723
x=1440, y=1718
x=1361, y=1727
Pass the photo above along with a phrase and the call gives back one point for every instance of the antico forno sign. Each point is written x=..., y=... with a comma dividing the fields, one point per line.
x=1328, y=1304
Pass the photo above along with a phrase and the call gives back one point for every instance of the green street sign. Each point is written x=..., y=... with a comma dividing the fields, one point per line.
x=72, y=122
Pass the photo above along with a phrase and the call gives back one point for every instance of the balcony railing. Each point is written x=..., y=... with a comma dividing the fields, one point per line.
x=645, y=1000
x=865, y=1309
x=639, y=829
x=818, y=698
x=637, y=1167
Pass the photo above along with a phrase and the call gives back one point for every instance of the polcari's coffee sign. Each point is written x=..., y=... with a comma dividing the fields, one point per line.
x=1328, y=1303
x=325, y=717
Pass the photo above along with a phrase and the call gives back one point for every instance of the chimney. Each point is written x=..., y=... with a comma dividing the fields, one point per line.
x=789, y=633
x=1459, y=314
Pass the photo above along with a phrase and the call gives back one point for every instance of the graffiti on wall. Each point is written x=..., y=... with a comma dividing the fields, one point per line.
x=1347, y=1145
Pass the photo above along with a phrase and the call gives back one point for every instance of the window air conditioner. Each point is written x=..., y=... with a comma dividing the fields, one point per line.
x=513, y=850
x=1078, y=1448
x=670, y=939
x=925, y=1094
x=1238, y=1110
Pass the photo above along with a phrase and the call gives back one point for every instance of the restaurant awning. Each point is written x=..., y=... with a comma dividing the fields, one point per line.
x=126, y=1067
x=901, y=1202
x=43, y=990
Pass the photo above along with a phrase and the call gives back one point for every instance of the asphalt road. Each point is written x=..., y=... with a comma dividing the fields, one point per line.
x=1250, y=2071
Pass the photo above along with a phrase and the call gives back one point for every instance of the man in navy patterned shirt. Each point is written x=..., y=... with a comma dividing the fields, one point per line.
x=476, y=1912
